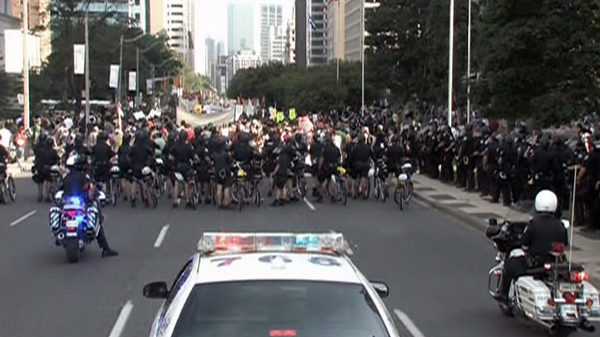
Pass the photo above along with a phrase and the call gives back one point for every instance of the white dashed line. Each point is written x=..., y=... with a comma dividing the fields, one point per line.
x=161, y=236
x=408, y=323
x=310, y=205
x=24, y=217
x=119, y=326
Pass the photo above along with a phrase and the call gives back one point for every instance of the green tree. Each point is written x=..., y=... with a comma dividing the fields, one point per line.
x=540, y=59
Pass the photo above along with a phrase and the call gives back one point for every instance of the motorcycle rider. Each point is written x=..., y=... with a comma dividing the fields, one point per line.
x=538, y=237
x=77, y=183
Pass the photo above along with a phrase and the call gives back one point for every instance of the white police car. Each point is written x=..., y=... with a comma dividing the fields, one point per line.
x=272, y=285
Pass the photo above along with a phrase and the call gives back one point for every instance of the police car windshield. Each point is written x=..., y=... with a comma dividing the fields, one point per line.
x=278, y=308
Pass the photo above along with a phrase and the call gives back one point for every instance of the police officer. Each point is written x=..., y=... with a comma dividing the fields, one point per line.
x=543, y=231
x=101, y=155
x=77, y=183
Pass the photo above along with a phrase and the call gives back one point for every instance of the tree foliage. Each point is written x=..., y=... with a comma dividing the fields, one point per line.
x=57, y=80
x=193, y=82
x=311, y=89
x=533, y=59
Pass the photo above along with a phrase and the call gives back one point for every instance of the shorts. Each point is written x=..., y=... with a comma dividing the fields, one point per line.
x=183, y=169
x=43, y=175
x=102, y=173
x=137, y=173
x=202, y=174
x=280, y=180
x=224, y=177
x=325, y=174
x=362, y=170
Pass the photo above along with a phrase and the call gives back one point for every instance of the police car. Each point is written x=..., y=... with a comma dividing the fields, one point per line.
x=272, y=285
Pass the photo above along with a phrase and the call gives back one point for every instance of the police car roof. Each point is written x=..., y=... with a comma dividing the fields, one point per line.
x=276, y=266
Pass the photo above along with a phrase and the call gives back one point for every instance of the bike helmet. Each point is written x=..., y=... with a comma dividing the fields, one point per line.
x=546, y=202
x=74, y=162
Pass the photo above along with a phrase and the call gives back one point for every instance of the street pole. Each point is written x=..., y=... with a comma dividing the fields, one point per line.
x=137, y=76
x=119, y=83
x=87, y=77
x=25, y=66
x=469, y=67
x=362, y=53
x=152, y=96
x=451, y=62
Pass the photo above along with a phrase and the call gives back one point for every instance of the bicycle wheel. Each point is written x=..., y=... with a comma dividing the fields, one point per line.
x=376, y=188
x=257, y=198
x=4, y=193
x=194, y=195
x=344, y=191
x=235, y=190
x=384, y=192
x=112, y=191
x=213, y=191
x=241, y=195
x=398, y=196
x=12, y=189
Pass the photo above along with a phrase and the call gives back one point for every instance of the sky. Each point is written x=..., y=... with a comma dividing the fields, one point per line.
x=211, y=20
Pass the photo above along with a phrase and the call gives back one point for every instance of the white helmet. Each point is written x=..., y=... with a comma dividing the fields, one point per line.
x=546, y=201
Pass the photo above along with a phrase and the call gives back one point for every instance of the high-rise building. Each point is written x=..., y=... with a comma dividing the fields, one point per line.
x=39, y=20
x=157, y=15
x=276, y=45
x=240, y=27
x=222, y=76
x=353, y=30
x=244, y=59
x=317, y=51
x=138, y=12
x=211, y=59
x=336, y=28
x=221, y=48
x=290, y=39
x=271, y=15
x=301, y=18
x=178, y=28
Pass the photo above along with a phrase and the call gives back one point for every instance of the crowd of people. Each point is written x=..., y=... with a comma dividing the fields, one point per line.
x=506, y=161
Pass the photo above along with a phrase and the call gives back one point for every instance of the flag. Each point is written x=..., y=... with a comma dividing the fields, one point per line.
x=312, y=22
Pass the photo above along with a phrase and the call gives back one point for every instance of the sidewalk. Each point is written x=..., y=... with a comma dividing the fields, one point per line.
x=475, y=212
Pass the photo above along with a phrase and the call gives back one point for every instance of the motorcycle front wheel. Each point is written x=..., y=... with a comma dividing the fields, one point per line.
x=72, y=250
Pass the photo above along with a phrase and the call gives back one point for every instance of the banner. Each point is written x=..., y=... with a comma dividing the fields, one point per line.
x=292, y=114
x=149, y=86
x=13, y=42
x=132, y=80
x=113, y=82
x=280, y=117
x=79, y=59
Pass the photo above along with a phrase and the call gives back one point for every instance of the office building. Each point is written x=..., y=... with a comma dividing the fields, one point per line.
x=336, y=37
x=244, y=59
x=271, y=15
x=211, y=59
x=157, y=15
x=301, y=22
x=138, y=12
x=353, y=30
x=240, y=27
x=317, y=37
x=221, y=48
x=276, y=45
x=178, y=28
x=290, y=40
x=39, y=20
x=222, y=74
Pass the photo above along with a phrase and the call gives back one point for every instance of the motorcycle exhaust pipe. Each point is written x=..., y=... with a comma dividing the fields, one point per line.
x=586, y=326
x=60, y=236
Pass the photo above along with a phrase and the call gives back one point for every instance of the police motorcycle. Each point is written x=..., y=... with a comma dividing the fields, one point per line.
x=74, y=224
x=557, y=296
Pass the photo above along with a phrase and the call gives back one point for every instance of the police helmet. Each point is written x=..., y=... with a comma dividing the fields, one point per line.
x=546, y=202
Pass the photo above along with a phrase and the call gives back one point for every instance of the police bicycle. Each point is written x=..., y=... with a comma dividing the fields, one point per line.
x=404, y=189
x=8, y=189
x=340, y=179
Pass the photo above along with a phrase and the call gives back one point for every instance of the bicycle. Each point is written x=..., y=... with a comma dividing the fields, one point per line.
x=340, y=179
x=239, y=190
x=159, y=183
x=147, y=178
x=55, y=179
x=380, y=183
x=8, y=189
x=405, y=188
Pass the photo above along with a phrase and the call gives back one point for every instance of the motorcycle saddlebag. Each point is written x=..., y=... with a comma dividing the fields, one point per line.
x=533, y=296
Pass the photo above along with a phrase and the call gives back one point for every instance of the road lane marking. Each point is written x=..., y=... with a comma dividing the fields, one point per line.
x=119, y=326
x=161, y=236
x=309, y=204
x=420, y=203
x=408, y=323
x=24, y=217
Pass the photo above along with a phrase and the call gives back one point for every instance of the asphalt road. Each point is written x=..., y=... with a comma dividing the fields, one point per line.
x=435, y=267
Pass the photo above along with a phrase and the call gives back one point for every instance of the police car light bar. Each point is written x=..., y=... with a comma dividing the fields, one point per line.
x=329, y=243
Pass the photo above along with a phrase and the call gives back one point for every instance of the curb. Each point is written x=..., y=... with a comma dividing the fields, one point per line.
x=469, y=220
x=475, y=223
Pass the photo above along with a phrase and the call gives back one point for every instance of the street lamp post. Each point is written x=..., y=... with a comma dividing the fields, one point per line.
x=362, y=54
x=87, y=76
x=469, y=67
x=25, y=65
x=451, y=62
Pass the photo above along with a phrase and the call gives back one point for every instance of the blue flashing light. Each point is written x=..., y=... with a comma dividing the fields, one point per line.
x=75, y=201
